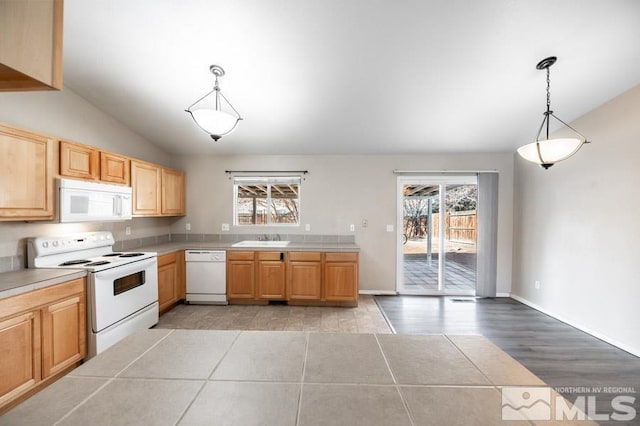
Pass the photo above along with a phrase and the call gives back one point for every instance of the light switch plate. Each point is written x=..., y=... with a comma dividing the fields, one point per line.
x=307, y=227
x=352, y=228
x=225, y=227
x=187, y=227
x=127, y=230
x=389, y=228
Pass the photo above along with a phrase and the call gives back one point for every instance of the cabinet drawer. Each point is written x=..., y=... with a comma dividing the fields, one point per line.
x=167, y=259
x=270, y=255
x=239, y=255
x=341, y=257
x=304, y=256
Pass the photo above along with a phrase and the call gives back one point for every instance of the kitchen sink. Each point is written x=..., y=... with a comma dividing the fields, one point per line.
x=256, y=243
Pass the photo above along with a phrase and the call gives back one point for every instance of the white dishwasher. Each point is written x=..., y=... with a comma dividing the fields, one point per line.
x=206, y=276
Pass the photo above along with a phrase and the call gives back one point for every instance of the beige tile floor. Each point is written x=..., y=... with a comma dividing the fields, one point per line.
x=365, y=318
x=231, y=377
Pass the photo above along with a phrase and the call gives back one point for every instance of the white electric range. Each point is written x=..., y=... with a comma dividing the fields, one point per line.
x=122, y=287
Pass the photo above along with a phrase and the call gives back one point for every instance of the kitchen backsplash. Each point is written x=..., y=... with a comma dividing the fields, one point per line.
x=231, y=238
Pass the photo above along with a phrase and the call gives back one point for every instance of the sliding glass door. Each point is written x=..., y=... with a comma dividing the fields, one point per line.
x=437, y=243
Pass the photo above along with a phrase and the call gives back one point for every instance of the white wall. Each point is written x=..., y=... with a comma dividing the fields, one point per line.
x=66, y=115
x=577, y=229
x=339, y=191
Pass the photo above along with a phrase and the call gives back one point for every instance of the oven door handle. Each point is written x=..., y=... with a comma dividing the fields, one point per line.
x=127, y=269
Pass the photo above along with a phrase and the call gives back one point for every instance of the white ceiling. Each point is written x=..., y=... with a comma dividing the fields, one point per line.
x=350, y=76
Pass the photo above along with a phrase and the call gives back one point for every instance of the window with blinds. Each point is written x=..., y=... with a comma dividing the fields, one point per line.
x=266, y=200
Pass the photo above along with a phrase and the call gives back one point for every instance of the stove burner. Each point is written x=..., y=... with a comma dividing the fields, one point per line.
x=98, y=263
x=132, y=254
x=74, y=262
x=112, y=254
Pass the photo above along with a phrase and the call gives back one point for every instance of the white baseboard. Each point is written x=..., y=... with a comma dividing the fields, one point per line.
x=503, y=294
x=626, y=348
x=379, y=292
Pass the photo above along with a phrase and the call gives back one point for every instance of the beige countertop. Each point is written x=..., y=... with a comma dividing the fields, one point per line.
x=221, y=245
x=25, y=280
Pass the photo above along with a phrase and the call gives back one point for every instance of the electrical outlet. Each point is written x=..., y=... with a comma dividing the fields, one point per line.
x=352, y=228
x=127, y=230
x=537, y=285
x=187, y=227
x=225, y=227
x=307, y=227
x=389, y=228
x=365, y=223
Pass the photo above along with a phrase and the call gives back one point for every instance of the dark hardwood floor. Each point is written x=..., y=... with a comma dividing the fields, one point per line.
x=562, y=356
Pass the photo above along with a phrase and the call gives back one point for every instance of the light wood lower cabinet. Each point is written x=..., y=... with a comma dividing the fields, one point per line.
x=301, y=278
x=20, y=354
x=271, y=275
x=42, y=334
x=304, y=279
x=241, y=275
x=341, y=276
x=171, y=280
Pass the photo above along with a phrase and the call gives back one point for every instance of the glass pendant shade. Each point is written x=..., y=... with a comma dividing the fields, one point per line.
x=548, y=152
x=216, y=123
x=213, y=113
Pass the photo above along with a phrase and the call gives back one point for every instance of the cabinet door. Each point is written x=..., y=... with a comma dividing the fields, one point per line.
x=181, y=268
x=79, y=161
x=341, y=277
x=271, y=275
x=168, y=286
x=173, y=193
x=304, y=280
x=145, y=182
x=63, y=334
x=115, y=168
x=240, y=279
x=31, y=45
x=26, y=175
x=20, y=354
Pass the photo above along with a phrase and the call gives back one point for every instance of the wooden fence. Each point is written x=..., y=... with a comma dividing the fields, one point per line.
x=460, y=227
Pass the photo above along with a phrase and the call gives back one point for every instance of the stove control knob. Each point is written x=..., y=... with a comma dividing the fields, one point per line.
x=45, y=244
x=55, y=243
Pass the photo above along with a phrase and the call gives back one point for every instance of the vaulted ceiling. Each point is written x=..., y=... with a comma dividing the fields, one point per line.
x=350, y=76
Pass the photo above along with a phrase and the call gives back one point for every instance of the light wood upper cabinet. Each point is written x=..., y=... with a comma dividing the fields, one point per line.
x=115, y=168
x=42, y=333
x=173, y=187
x=26, y=175
x=79, y=161
x=30, y=44
x=145, y=182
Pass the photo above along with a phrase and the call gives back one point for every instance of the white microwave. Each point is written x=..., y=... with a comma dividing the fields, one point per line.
x=82, y=201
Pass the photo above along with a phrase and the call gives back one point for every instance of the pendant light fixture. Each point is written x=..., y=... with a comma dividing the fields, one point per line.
x=218, y=119
x=546, y=152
